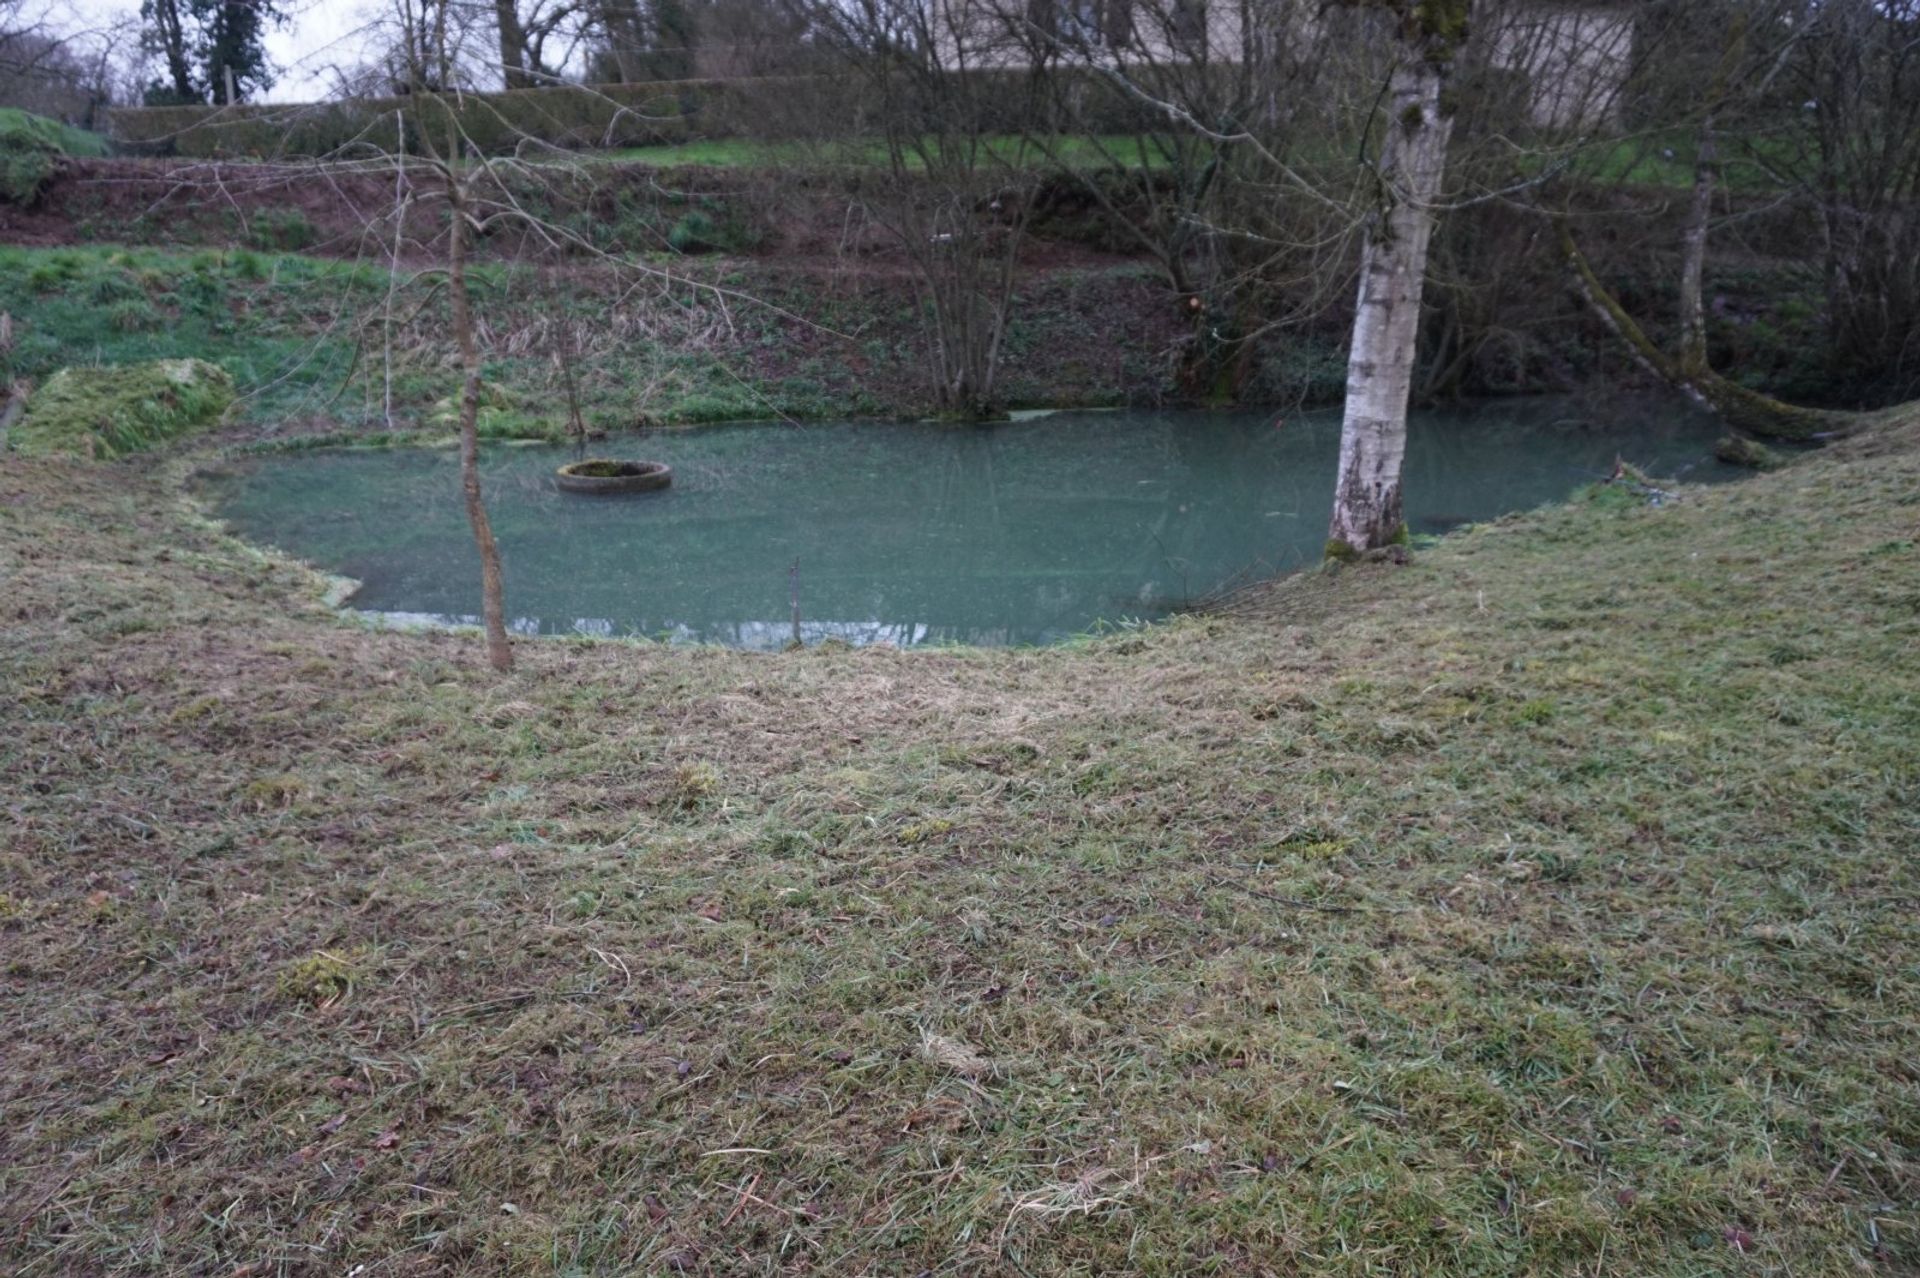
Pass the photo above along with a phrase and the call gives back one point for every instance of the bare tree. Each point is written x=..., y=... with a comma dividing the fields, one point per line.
x=425, y=29
x=1749, y=47
x=954, y=196
x=1194, y=135
x=53, y=68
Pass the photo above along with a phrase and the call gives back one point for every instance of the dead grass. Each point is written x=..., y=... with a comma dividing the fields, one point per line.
x=1550, y=906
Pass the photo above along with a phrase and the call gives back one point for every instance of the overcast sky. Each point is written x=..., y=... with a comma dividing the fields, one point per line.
x=320, y=34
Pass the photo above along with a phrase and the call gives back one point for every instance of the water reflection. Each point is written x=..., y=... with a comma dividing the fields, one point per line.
x=912, y=534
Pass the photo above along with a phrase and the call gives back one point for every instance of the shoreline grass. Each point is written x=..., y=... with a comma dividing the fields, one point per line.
x=1545, y=907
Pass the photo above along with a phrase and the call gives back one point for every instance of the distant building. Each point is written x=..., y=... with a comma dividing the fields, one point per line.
x=1574, y=57
x=1573, y=54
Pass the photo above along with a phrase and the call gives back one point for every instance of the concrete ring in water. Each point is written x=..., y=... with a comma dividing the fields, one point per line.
x=600, y=475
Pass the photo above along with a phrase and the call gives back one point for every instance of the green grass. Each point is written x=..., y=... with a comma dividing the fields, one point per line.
x=746, y=153
x=302, y=336
x=1544, y=907
x=65, y=137
x=1748, y=164
x=278, y=324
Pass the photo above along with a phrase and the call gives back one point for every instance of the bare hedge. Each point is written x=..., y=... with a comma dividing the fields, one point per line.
x=572, y=117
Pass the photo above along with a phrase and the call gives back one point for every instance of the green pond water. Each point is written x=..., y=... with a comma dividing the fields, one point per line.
x=1021, y=533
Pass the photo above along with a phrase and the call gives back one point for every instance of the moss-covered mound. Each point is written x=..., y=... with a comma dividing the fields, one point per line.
x=31, y=147
x=107, y=412
x=1738, y=450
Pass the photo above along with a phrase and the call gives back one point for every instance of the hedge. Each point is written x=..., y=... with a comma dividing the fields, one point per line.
x=572, y=117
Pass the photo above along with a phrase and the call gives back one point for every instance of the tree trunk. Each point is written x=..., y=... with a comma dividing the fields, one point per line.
x=1386, y=321
x=492, y=603
x=1693, y=259
x=513, y=44
x=173, y=49
x=620, y=20
x=1747, y=409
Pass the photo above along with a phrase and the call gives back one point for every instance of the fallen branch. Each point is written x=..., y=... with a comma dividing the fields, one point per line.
x=1748, y=409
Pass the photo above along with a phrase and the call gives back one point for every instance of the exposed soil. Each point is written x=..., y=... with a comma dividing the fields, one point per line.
x=345, y=213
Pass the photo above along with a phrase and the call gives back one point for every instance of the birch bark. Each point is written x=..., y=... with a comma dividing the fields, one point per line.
x=1386, y=322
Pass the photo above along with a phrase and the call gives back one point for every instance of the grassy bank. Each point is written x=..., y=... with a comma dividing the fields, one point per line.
x=1545, y=907
x=662, y=340
x=1011, y=150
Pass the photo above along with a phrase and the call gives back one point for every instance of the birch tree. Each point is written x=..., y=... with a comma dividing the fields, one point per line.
x=1367, y=508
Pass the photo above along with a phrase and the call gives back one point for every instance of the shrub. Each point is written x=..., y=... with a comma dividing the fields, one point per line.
x=26, y=166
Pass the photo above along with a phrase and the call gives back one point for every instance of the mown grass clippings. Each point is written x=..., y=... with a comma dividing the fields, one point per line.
x=107, y=412
x=1286, y=940
x=322, y=979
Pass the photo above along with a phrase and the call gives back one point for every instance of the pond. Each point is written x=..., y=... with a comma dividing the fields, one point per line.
x=1020, y=533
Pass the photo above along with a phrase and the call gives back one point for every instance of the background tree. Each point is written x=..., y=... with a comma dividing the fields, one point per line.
x=235, y=49
x=168, y=34
x=514, y=71
x=1180, y=135
x=53, y=69
x=639, y=40
x=209, y=50
x=1711, y=79
x=948, y=186
x=1846, y=137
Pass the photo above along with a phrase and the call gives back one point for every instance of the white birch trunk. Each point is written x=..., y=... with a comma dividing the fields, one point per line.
x=1386, y=320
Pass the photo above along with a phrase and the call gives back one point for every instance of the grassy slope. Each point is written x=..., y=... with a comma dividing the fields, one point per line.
x=68, y=139
x=747, y=153
x=286, y=326
x=1546, y=907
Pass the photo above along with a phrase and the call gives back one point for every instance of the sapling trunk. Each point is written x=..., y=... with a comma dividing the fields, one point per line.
x=492, y=592
x=793, y=597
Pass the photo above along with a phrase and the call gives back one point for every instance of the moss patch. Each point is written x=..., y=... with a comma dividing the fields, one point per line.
x=1738, y=450
x=108, y=412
